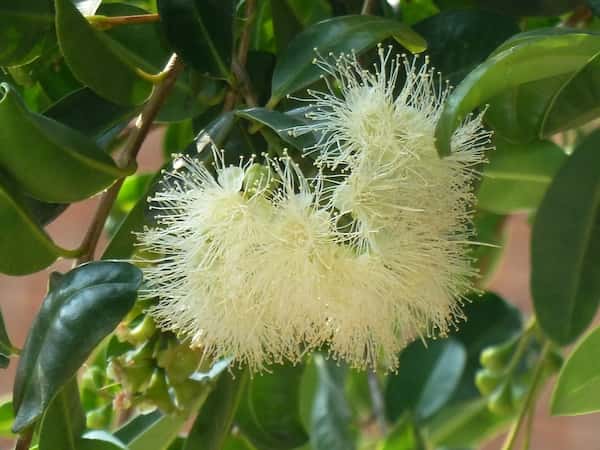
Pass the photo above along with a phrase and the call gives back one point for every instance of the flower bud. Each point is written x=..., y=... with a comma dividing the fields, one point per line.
x=487, y=381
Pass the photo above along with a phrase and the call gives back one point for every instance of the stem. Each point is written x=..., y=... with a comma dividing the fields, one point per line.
x=106, y=22
x=238, y=64
x=377, y=401
x=24, y=440
x=128, y=155
x=529, y=400
x=368, y=7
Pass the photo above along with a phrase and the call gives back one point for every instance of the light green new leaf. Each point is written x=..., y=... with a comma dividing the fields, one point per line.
x=6, y=419
x=535, y=58
x=25, y=28
x=155, y=431
x=95, y=60
x=81, y=308
x=295, y=68
x=565, y=269
x=577, y=390
x=50, y=161
x=24, y=245
x=517, y=175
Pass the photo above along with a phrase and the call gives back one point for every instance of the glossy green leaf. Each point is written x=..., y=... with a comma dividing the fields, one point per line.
x=81, y=308
x=26, y=246
x=87, y=7
x=489, y=230
x=528, y=60
x=285, y=23
x=330, y=418
x=280, y=123
x=565, y=270
x=100, y=440
x=269, y=413
x=201, y=32
x=577, y=390
x=100, y=114
x=95, y=59
x=295, y=68
x=6, y=419
x=154, y=430
x=25, y=26
x=177, y=137
x=427, y=378
x=518, y=175
x=459, y=40
x=6, y=348
x=51, y=162
x=213, y=424
x=64, y=420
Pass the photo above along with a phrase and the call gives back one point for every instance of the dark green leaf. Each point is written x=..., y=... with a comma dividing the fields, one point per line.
x=6, y=419
x=280, y=123
x=177, y=137
x=201, y=32
x=151, y=431
x=518, y=175
x=527, y=60
x=51, y=162
x=81, y=308
x=577, y=390
x=427, y=378
x=25, y=245
x=285, y=23
x=212, y=426
x=490, y=231
x=330, y=415
x=95, y=59
x=269, y=412
x=459, y=40
x=25, y=26
x=565, y=269
x=295, y=68
x=64, y=420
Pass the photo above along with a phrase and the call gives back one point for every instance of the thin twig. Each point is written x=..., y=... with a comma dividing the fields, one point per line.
x=238, y=64
x=128, y=155
x=581, y=15
x=377, y=401
x=368, y=7
x=106, y=22
x=529, y=399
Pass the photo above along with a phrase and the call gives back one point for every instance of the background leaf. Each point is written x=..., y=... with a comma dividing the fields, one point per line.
x=64, y=421
x=51, y=162
x=577, y=390
x=295, y=70
x=518, y=175
x=6, y=419
x=92, y=57
x=81, y=308
x=154, y=430
x=6, y=348
x=427, y=378
x=565, y=271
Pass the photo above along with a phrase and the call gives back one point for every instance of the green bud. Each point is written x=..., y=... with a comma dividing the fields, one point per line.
x=259, y=178
x=487, y=381
x=497, y=357
x=99, y=418
x=501, y=401
x=157, y=392
x=186, y=393
x=179, y=361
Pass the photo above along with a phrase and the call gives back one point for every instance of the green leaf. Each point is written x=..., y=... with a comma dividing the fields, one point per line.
x=527, y=60
x=280, y=123
x=459, y=40
x=95, y=60
x=518, y=175
x=427, y=378
x=27, y=246
x=81, y=308
x=100, y=114
x=87, y=7
x=404, y=436
x=213, y=424
x=177, y=137
x=577, y=390
x=100, y=440
x=295, y=68
x=25, y=27
x=489, y=230
x=285, y=23
x=51, y=162
x=64, y=420
x=565, y=269
x=7, y=417
x=201, y=32
x=151, y=431
x=330, y=415
x=269, y=412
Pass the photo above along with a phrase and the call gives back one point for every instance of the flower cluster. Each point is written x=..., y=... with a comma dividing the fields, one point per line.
x=364, y=257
